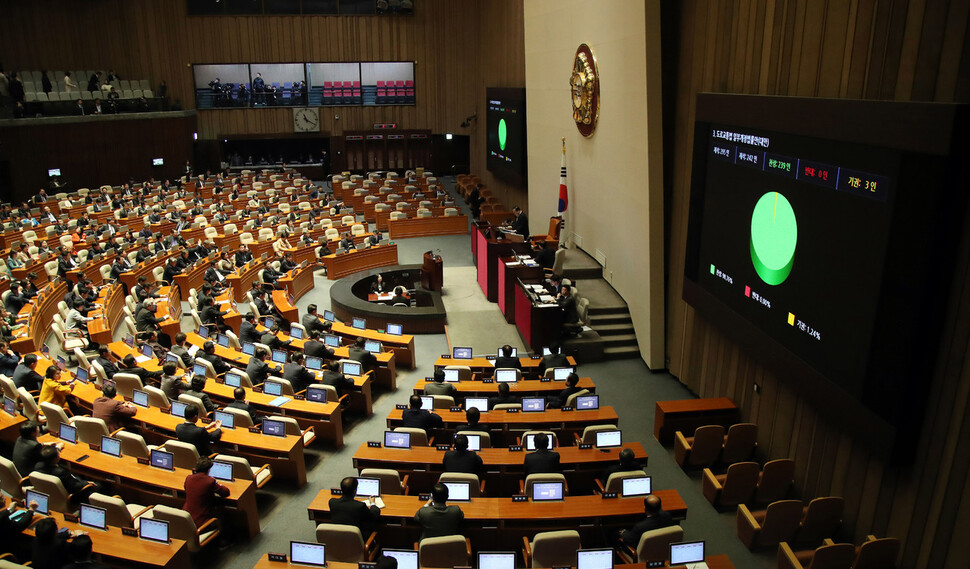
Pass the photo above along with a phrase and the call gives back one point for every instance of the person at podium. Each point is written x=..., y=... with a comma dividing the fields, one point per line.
x=521, y=222
x=378, y=285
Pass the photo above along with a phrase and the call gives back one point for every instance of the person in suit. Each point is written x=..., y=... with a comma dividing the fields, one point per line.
x=555, y=359
x=311, y=321
x=572, y=387
x=49, y=548
x=331, y=376
x=247, y=329
x=439, y=387
x=79, y=108
x=214, y=277
x=374, y=238
x=144, y=253
x=473, y=422
x=209, y=354
x=314, y=347
x=627, y=461
x=542, y=460
x=437, y=518
x=239, y=402
x=81, y=550
x=655, y=518
x=172, y=384
x=399, y=297
x=49, y=463
x=129, y=365
x=266, y=309
x=105, y=361
x=378, y=284
x=202, y=491
x=114, y=413
x=26, y=450
x=521, y=222
x=461, y=459
x=201, y=437
x=146, y=321
x=346, y=510
x=258, y=370
x=121, y=265
x=347, y=242
x=504, y=396
x=415, y=416
x=243, y=255
x=180, y=350
x=9, y=360
x=15, y=301
x=358, y=353
x=25, y=375
x=271, y=339
x=144, y=289
x=298, y=376
x=212, y=316
x=505, y=359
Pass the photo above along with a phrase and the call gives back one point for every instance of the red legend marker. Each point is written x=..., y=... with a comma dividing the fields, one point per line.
x=747, y=291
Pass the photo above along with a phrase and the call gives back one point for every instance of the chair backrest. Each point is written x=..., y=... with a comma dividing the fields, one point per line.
x=193, y=400
x=474, y=485
x=776, y=480
x=419, y=438
x=180, y=525
x=29, y=405
x=241, y=468
x=240, y=418
x=740, y=443
x=877, y=553
x=542, y=477
x=55, y=416
x=132, y=444
x=185, y=454
x=654, y=545
x=780, y=522
x=443, y=401
x=822, y=519
x=390, y=479
x=706, y=446
x=589, y=433
x=550, y=434
x=90, y=429
x=504, y=406
x=483, y=437
x=10, y=479
x=127, y=383
x=444, y=551
x=8, y=387
x=834, y=556
x=344, y=542
x=157, y=397
x=59, y=500
x=464, y=372
x=555, y=548
x=116, y=511
x=739, y=484
x=615, y=482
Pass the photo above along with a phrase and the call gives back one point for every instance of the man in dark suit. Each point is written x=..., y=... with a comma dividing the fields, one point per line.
x=258, y=370
x=415, y=416
x=438, y=519
x=212, y=316
x=347, y=242
x=346, y=510
x=26, y=451
x=171, y=269
x=271, y=339
x=247, y=329
x=439, y=387
x=49, y=463
x=209, y=354
x=144, y=253
x=504, y=396
x=239, y=402
x=628, y=462
x=311, y=321
x=461, y=459
x=197, y=389
x=105, y=361
x=358, y=353
x=25, y=375
x=542, y=459
x=656, y=518
x=146, y=321
x=399, y=297
x=505, y=359
x=214, y=277
x=473, y=417
x=298, y=376
x=201, y=437
x=179, y=349
x=314, y=347
x=572, y=387
x=521, y=222
x=331, y=376
x=553, y=360
x=121, y=265
x=129, y=365
x=243, y=255
x=15, y=300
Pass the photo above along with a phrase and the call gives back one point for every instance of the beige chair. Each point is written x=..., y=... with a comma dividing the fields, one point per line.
x=242, y=470
x=444, y=551
x=776, y=481
x=157, y=397
x=55, y=417
x=464, y=372
x=769, y=527
x=877, y=553
x=735, y=487
x=550, y=434
x=60, y=500
x=740, y=443
x=8, y=387
x=345, y=544
x=391, y=481
x=357, y=229
x=476, y=488
x=133, y=444
x=829, y=556
x=90, y=430
x=419, y=438
x=484, y=437
x=332, y=234
x=701, y=450
x=293, y=428
x=530, y=480
x=185, y=455
x=396, y=215
x=127, y=383
x=195, y=402
x=615, y=481
x=551, y=549
x=451, y=212
x=654, y=545
x=571, y=401
x=117, y=512
x=820, y=519
x=29, y=407
x=443, y=401
x=181, y=526
x=241, y=419
x=589, y=433
x=348, y=220
x=11, y=482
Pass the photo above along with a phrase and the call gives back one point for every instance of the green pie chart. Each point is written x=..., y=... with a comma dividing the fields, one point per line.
x=503, y=134
x=774, y=235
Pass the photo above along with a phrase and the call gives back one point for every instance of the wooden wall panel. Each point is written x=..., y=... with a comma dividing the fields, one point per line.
x=878, y=49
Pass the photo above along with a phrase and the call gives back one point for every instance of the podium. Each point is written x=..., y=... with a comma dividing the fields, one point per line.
x=432, y=276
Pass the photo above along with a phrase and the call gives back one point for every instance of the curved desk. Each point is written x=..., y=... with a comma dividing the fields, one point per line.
x=342, y=265
x=347, y=304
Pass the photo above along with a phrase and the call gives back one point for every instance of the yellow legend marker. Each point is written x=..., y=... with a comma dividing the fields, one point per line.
x=791, y=319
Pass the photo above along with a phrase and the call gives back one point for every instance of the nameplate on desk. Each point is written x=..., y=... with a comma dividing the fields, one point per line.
x=535, y=357
x=130, y=532
x=206, y=420
x=442, y=447
x=609, y=495
x=566, y=409
x=257, y=389
x=446, y=356
x=277, y=557
x=95, y=448
x=400, y=406
x=655, y=564
x=366, y=565
x=336, y=492
x=373, y=444
x=220, y=381
x=299, y=397
x=490, y=358
x=165, y=410
x=424, y=497
x=512, y=410
x=71, y=518
x=142, y=460
x=455, y=409
x=254, y=430
x=489, y=380
x=128, y=399
x=515, y=448
x=545, y=379
x=522, y=498
x=585, y=446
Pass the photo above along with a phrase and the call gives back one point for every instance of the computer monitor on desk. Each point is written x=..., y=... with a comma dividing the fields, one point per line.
x=594, y=559
x=350, y=368
x=689, y=553
x=406, y=558
x=451, y=375
x=496, y=560
x=395, y=439
x=461, y=353
x=480, y=403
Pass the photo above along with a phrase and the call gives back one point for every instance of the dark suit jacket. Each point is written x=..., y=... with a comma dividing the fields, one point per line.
x=317, y=349
x=481, y=427
x=348, y=511
x=421, y=418
x=298, y=376
x=145, y=321
x=26, y=454
x=542, y=461
x=438, y=521
x=198, y=436
x=242, y=258
x=659, y=520
x=27, y=378
x=14, y=303
x=247, y=408
x=467, y=461
x=504, y=362
x=248, y=332
x=366, y=359
x=168, y=274
x=339, y=381
x=218, y=364
x=569, y=313
x=311, y=322
x=143, y=374
x=560, y=400
x=257, y=370
x=272, y=341
x=551, y=361
x=110, y=369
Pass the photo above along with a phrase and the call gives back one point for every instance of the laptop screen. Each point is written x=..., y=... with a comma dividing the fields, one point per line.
x=41, y=499
x=274, y=427
x=199, y=369
x=314, y=363
x=686, y=552
x=480, y=403
x=639, y=486
x=296, y=332
x=129, y=339
x=279, y=356
x=546, y=491
x=588, y=402
x=461, y=353
x=223, y=340
x=496, y=560
x=474, y=441
x=368, y=487
x=394, y=329
x=139, y=397
x=269, y=321
x=228, y=419
x=178, y=409
x=451, y=375
x=427, y=402
x=372, y=346
x=204, y=331
x=350, y=368
x=221, y=470
x=331, y=341
x=110, y=446
x=93, y=517
x=406, y=558
x=594, y=559
x=146, y=350
x=305, y=553
x=81, y=374
x=501, y=353
x=153, y=530
x=162, y=459
x=68, y=433
x=328, y=315
x=546, y=352
x=533, y=404
x=317, y=394
x=458, y=491
x=273, y=388
x=359, y=323
x=506, y=375
x=530, y=442
x=249, y=348
x=561, y=373
x=233, y=379
x=393, y=439
x=10, y=406
x=608, y=439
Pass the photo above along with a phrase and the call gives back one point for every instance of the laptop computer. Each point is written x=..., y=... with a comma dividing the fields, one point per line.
x=81, y=374
x=639, y=486
x=317, y=394
x=689, y=553
x=228, y=419
x=249, y=348
x=427, y=402
x=368, y=487
x=372, y=346
x=223, y=340
x=93, y=517
x=496, y=560
x=199, y=369
x=394, y=329
x=153, y=530
x=350, y=368
x=474, y=441
x=178, y=409
x=296, y=333
x=359, y=323
x=548, y=491
x=394, y=439
x=42, y=499
x=233, y=379
x=139, y=397
x=204, y=331
x=331, y=341
x=110, y=446
x=314, y=363
x=451, y=375
x=269, y=321
x=329, y=316
x=273, y=388
x=530, y=442
x=594, y=559
x=609, y=439
x=68, y=433
x=533, y=404
x=279, y=356
x=10, y=406
x=561, y=373
x=274, y=428
x=306, y=553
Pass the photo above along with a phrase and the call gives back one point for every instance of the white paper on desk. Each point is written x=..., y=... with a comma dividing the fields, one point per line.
x=530, y=263
x=192, y=350
x=536, y=287
x=378, y=502
x=222, y=302
x=546, y=298
x=279, y=401
x=513, y=264
x=142, y=358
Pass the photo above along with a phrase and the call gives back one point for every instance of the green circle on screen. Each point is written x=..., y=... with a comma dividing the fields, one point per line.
x=503, y=134
x=774, y=234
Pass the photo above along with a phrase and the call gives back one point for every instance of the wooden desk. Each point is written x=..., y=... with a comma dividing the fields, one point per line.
x=282, y=303
x=720, y=561
x=503, y=468
x=501, y=523
x=342, y=265
x=524, y=388
x=300, y=283
x=510, y=269
x=427, y=226
x=487, y=252
x=402, y=346
x=119, y=550
x=241, y=279
x=688, y=414
x=539, y=324
x=106, y=318
x=191, y=278
x=39, y=313
x=486, y=366
x=143, y=484
x=10, y=427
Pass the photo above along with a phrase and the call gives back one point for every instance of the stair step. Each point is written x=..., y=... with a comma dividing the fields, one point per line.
x=604, y=319
x=611, y=310
x=620, y=352
x=612, y=329
x=620, y=340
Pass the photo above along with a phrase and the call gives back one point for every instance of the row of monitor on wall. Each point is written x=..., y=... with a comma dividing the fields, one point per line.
x=246, y=85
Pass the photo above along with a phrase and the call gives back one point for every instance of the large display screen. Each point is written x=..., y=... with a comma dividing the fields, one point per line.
x=505, y=148
x=821, y=238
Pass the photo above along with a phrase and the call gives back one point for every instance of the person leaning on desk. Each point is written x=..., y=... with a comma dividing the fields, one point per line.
x=201, y=437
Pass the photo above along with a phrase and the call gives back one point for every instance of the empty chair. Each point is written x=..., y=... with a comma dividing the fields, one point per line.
x=464, y=372
x=194, y=401
x=28, y=406
x=90, y=430
x=331, y=234
x=451, y=212
x=589, y=433
x=740, y=442
x=242, y=470
x=117, y=512
x=475, y=488
x=820, y=519
x=241, y=418
x=776, y=480
x=345, y=544
x=8, y=387
x=157, y=397
x=419, y=437
x=185, y=455
x=357, y=229
x=702, y=449
x=877, y=553
x=391, y=482
x=293, y=428
x=829, y=556
x=348, y=220
x=532, y=479
x=444, y=551
x=551, y=549
x=133, y=444
x=11, y=483
x=769, y=527
x=735, y=487
x=443, y=401
x=395, y=215
x=127, y=383
x=654, y=545
x=181, y=526
x=55, y=417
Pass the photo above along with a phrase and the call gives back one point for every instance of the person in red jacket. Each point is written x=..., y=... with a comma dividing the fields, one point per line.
x=201, y=491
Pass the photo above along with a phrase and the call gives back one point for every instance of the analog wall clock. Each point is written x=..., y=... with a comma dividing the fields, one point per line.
x=306, y=120
x=584, y=84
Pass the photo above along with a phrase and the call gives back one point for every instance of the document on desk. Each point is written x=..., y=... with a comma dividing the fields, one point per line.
x=536, y=287
x=142, y=358
x=192, y=350
x=513, y=264
x=279, y=401
x=546, y=298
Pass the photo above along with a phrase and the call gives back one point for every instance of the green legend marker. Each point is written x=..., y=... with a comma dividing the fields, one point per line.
x=774, y=234
x=503, y=134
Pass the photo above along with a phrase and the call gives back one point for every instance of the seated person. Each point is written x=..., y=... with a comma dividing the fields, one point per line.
x=437, y=518
x=49, y=548
x=202, y=491
x=357, y=352
x=212, y=316
x=129, y=365
x=378, y=285
x=81, y=550
x=399, y=297
x=555, y=359
x=345, y=510
x=113, y=412
x=239, y=402
x=201, y=437
x=54, y=391
x=627, y=462
x=542, y=460
x=25, y=375
x=271, y=339
x=415, y=416
x=298, y=376
x=505, y=359
x=655, y=518
x=258, y=370
x=103, y=359
x=247, y=329
x=572, y=387
x=504, y=397
x=172, y=384
x=79, y=489
x=347, y=242
x=461, y=459
x=180, y=350
x=473, y=417
x=209, y=354
x=314, y=347
x=26, y=451
x=332, y=376
x=311, y=321
x=197, y=389
x=439, y=387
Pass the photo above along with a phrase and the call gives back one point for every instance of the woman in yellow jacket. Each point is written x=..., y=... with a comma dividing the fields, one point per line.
x=53, y=390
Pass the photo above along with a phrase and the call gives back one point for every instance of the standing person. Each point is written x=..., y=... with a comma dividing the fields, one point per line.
x=69, y=83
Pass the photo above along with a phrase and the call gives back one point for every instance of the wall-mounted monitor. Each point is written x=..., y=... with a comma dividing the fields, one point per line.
x=505, y=141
